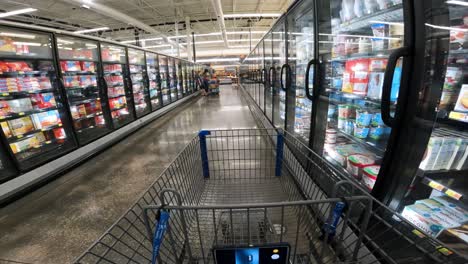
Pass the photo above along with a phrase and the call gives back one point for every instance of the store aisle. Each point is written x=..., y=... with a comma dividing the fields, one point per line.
x=60, y=220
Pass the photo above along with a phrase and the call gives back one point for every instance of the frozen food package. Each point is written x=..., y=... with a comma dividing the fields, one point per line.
x=375, y=86
x=431, y=152
x=46, y=119
x=20, y=105
x=43, y=101
x=395, y=33
x=6, y=129
x=450, y=203
x=462, y=101
x=424, y=218
x=437, y=206
x=21, y=126
x=447, y=147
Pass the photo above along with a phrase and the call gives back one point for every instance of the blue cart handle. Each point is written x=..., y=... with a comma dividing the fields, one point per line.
x=161, y=228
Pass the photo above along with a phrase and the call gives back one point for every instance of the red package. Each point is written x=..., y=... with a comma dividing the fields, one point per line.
x=59, y=133
x=4, y=67
x=70, y=65
x=356, y=76
x=100, y=121
x=377, y=64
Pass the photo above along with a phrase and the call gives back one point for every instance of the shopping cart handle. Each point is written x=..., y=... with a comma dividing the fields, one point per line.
x=159, y=233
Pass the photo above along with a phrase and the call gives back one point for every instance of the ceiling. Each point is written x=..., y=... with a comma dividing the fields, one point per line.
x=150, y=19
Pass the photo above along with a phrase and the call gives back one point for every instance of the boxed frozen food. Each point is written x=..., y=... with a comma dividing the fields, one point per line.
x=71, y=81
x=431, y=152
x=356, y=162
x=447, y=147
x=74, y=112
x=369, y=176
x=375, y=85
x=396, y=33
x=21, y=126
x=450, y=203
x=20, y=105
x=32, y=142
x=46, y=119
x=462, y=101
x=70, y=65
x=377, y=64
x=356, y=76
x=88, y=80
x=100, y=121
x=460, y=147
x=82, y=110
x=424, y=218
x=87, y=66
x=43, y=101
x=59, y=133
x=437, y=206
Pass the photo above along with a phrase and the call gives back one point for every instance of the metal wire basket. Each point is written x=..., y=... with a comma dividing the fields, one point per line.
x=253, y=187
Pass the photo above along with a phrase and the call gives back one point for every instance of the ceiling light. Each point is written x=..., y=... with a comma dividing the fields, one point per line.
x=245, y=32
x=218, y=59
x=27, y=43
x=158, y=46
x=209, y=42
x=454, y=2
x=148, y=39
x=91, y=30
x=253, y=15
x=448, y=28
x=85, y=6
x=17, y=35
x=17, y=12
x=64, y=41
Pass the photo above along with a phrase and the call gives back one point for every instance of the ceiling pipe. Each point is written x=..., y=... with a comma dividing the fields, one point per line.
x=117, y=15
x=220, y=17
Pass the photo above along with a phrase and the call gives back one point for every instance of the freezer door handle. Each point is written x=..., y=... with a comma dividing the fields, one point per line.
x=311, y=62
x=264, y=76
x=271, y=77
x=387, y=83
x=288, y=76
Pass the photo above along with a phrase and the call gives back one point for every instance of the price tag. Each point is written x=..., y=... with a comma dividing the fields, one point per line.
x=48, y=142
x=21, y=72
x=5, y=94
x=453, y=194
x=21, y=113
x=436, y=185
x=445, y=251
x=418, y=233
x=19, y=136
x=59, y=125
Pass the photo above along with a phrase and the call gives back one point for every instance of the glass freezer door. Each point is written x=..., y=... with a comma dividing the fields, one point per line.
x=261, y=78
x=300, y=59
x=180, y=79
x=138, y=81
x=119, y=92
x=354, y=47
x=164, y=79
x=279, y=64
x=172, y=79
x=34, y=122
x=79, y=64
x=153, y=77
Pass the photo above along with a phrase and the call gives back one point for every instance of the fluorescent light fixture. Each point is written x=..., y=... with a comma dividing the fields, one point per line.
x=85, y=6
x=447, y=28
x=245, y=32
x=158, y=46
x=64, y=41
x=91, y=30
x=90, y=45
x=218, y=60
x=385, y=22
x=27, y=43
x=17, y=12
x=253, y=15
x=454, y=2
x=17, y=35
x=148, y=39
x=209, y=42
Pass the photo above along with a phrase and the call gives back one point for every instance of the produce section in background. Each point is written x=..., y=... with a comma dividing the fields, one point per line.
x=79, y=66
x=117, y=81
x=31, y=110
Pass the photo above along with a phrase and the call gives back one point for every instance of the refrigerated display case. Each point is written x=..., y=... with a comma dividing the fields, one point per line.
x=354, y=48
x=164, y=79
x=117, y=80
x=152, y=67
x=172, y=79
x=138, y=81
x=300, y=58
x=281, y=70
x=79, y=64
x=33, y=117
x=433, y=179
x=179, y=76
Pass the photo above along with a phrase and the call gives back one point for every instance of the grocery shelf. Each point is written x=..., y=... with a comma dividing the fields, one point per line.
x=31, y=133
x=115, y=85
x=454, y=188
x=78, y=59
x=118, y=108
x=26, y=93
x=81, y=87
x=21, y=56
x=116, y=73
x=21, y=114
x=22, y=73
x=88, y=116
x=391, y=14
x=115, y=96
x=376, y=146
x=73, y=73
x=84, y=101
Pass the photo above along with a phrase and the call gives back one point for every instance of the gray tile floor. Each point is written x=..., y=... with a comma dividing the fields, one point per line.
x=59, y=221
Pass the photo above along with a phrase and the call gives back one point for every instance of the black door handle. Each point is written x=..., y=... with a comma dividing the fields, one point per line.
x=270, y=76
x=264, y=76
x=311, y=62
x=288, y=76
x=387, y=83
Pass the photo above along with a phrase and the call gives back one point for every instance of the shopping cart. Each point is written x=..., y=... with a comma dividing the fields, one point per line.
x=258, y=189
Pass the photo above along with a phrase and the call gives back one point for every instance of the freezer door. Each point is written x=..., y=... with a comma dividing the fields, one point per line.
x=172, y=79
x=153, y=76
x=261, y=78
x=180, y=79
x=360, y=45
x=281, y=72
x=164, y=80
x=138, y=81
x=116, y=78
x=79, y=66
x=34, y=120
x=301, y=59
